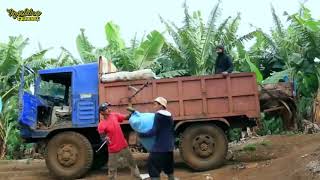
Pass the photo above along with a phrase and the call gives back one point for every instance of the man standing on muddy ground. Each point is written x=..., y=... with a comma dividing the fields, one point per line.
x=161, y=153
x=110, y=130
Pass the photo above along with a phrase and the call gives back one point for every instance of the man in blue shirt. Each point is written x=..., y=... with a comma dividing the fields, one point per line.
x=161, y=153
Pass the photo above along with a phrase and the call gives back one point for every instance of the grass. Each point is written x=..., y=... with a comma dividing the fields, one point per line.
x=253, y=147
x=250, y=147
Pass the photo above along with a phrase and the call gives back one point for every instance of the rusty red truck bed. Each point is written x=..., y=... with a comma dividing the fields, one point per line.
x=201, y=97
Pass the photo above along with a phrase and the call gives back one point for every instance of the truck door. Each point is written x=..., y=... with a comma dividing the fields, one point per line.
x=28, y=114
x=85, y=96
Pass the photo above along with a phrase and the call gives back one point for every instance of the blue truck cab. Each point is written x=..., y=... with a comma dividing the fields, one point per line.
x=63, y=114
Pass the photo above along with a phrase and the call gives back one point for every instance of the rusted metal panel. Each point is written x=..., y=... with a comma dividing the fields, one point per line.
x=196, y=97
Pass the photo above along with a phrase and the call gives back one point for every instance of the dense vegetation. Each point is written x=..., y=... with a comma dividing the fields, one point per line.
x=290, y=49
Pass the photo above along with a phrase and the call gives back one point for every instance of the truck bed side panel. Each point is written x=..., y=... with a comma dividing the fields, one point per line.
x=190, y=97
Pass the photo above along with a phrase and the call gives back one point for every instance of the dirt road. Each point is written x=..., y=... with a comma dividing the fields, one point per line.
x=295, y=157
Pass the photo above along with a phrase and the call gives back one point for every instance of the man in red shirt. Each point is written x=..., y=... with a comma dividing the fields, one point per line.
x=109, y=128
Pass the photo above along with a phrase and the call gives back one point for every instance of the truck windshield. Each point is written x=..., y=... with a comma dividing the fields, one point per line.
x=55, y=88
x=52, y=92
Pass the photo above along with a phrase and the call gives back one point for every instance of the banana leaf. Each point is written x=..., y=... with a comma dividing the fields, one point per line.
x=253, y=68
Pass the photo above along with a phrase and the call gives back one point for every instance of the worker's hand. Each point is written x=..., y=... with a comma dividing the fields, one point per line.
x=105, y=138
x=108, y=140
x=225, y=73
x=130, y=109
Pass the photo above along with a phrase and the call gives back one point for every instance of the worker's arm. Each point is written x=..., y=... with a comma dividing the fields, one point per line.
x=101, y=127
x=102, y=130
x=122, y=117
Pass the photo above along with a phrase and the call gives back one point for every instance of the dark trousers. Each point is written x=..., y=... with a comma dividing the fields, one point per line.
x=160, y=161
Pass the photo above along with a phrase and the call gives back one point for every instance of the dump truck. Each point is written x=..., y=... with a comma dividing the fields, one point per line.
x=62, y=114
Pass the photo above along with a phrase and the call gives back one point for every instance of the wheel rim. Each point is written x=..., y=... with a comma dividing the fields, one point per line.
x=203, y=146
x=67, y=155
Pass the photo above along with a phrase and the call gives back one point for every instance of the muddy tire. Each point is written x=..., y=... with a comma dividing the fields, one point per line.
x=203, y=146
x=69, y=155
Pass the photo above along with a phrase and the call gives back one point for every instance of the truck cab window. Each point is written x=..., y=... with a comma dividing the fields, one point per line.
x=55, y=90
x=53, y=93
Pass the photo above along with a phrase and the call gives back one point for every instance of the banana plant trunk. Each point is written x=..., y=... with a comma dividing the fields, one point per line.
x=3, y=149
x=316, y=109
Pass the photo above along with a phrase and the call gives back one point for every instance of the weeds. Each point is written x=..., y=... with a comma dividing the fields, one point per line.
x=234, y=134
x=250, y=147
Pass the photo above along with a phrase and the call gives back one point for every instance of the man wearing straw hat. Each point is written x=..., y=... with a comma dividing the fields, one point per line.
x=161, y=153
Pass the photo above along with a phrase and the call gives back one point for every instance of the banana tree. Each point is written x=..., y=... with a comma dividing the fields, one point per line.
x=139, y=55
x=9, y=134
x=297, y=48
x=11, y=63
x=193, y=49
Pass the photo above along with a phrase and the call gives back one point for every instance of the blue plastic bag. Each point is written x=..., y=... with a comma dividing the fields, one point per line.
x=141, y=123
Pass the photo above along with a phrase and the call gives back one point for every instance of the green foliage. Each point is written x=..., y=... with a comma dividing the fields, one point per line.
x=254, y=69
x=138, y=56
x=270, y=125
x=253, y=147
x=9, y=134
x=148, y=50
x=84, y=47
x=51, y=89
x=304, y=109
x=250, y=147
x=234, y=134
x=113, y=36
x=194, y=42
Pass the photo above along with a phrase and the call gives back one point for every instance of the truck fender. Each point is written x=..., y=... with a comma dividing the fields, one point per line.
x=202, y=120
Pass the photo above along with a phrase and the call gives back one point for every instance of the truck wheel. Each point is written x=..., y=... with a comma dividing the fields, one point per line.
x=203, y=146
x=69, y=155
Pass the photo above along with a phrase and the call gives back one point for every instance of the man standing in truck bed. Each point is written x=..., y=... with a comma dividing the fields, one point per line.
x=109, y=128
x=223, y=63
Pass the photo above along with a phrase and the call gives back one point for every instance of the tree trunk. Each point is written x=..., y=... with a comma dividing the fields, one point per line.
x=3, y=150
x=316, y=109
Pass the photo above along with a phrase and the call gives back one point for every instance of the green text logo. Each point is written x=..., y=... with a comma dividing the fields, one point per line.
x=25, y=15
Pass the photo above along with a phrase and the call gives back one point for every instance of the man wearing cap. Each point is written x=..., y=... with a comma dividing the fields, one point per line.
x=223, y=63
x=110, y=130
x=161, y=153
